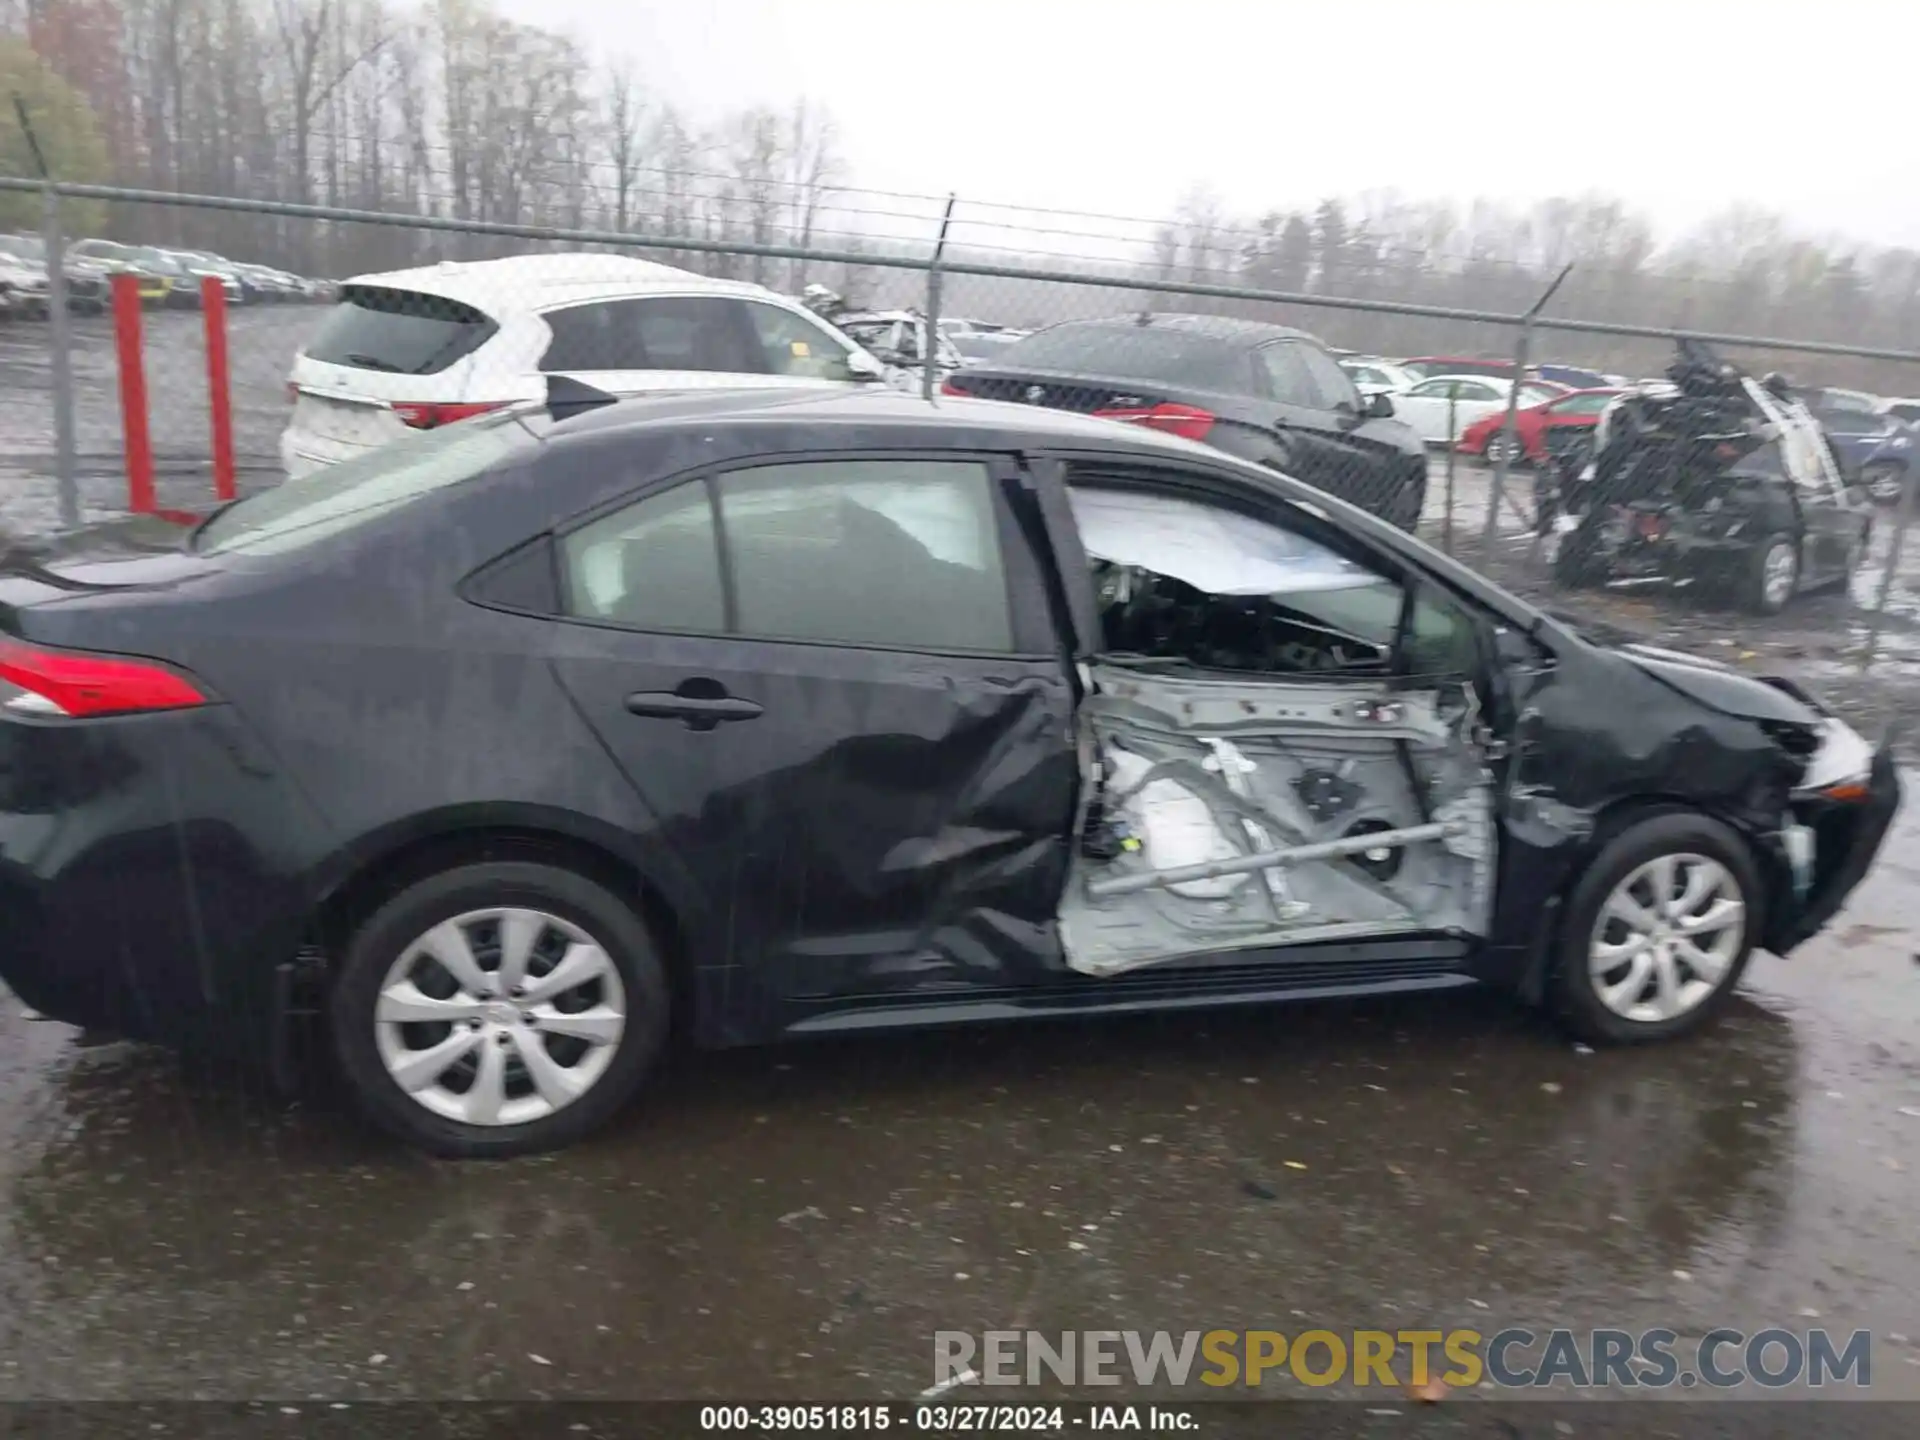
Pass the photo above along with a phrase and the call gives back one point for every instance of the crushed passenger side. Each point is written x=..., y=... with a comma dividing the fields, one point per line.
x=1254, y=775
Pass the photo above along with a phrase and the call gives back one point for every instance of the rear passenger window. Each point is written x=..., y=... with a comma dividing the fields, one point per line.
x=594, y=337
x=900, y=554
x=697, y=333
x=1288, y=379
x=897, y=553
x=688, y=332
x=654, y=565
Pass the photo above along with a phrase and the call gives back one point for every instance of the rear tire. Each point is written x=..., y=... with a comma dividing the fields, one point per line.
x=1884, y=482
x=528, y=1067
x=1403, y=511
x=1771, y=575
x=1593, y=989
x=1577, y=564
x=1499, y=444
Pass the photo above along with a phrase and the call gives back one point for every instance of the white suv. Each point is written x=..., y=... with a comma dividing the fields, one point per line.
x=414, y=349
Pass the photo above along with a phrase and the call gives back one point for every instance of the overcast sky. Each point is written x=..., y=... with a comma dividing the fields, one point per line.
x=1122, y=105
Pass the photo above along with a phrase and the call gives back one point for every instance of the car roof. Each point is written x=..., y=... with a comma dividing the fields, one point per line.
x=732, y=424
x=1219, y=327
x=987, y=424
x=531, y=282
x=1479, y=379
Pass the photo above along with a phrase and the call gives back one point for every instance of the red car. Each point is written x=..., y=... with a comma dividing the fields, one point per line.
x=1428, y=366
x=1576, y=407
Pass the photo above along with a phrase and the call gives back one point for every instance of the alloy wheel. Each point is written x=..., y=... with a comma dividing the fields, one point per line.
x=1666, y=937
x=1778, y=573
x=1884, y=482
x=1502, y=447
x=500, y=1017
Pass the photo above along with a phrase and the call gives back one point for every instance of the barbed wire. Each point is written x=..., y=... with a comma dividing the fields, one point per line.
x=1186, y=229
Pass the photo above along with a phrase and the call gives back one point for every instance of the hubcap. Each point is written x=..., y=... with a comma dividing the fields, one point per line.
x=1666, y=937
x=500, y=1017
x=1777, y=575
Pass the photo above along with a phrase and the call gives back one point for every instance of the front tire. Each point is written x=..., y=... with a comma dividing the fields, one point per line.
x=1657, y=932
x=498, y=1009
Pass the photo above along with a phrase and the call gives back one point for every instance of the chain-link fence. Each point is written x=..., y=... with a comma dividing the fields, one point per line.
x=1763, y=522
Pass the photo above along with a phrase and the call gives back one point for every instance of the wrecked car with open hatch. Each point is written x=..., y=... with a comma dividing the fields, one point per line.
x=1714, y=479
x=489, y=758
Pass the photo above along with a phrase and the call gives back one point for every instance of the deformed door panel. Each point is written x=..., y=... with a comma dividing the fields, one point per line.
x=1375, y=805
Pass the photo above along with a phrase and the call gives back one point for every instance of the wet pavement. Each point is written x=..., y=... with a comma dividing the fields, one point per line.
x=262, y=343
x=798, y=1221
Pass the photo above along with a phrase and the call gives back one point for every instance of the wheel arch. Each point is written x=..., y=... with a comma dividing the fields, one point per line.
x=373, y=871
x=1610, y=821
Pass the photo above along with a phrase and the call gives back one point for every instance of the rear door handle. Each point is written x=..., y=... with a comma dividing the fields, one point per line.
x=701, y=712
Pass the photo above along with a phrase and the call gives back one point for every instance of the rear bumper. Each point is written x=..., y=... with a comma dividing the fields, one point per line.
x=143, y=874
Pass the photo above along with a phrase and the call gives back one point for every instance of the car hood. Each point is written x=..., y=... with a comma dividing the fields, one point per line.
x=1719, y=687
x=1707, y=682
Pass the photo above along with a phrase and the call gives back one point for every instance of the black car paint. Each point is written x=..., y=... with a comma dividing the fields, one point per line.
x=1374, y=462
x=1716, y=546
x=885, y=846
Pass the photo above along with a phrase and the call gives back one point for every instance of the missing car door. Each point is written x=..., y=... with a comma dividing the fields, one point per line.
x=1276, y=746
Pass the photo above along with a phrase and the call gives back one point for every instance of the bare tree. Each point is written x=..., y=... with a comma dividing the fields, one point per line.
x=318, y=62
x=814, y=170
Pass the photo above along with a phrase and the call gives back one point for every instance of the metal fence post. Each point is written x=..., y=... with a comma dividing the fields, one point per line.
x=1903, y=518
x=930, y=346
x=213, y=310
x=60, y=341
x=133, y=394
x=59, y=338
x=1447, y=527
x=1522, y=350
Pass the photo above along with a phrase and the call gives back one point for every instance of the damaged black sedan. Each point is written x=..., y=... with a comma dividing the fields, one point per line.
x=1714, y=479
x=499, y=754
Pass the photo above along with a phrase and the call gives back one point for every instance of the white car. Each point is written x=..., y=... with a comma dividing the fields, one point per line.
x=415, y=349
x=1465, y=398
x=1373, y=376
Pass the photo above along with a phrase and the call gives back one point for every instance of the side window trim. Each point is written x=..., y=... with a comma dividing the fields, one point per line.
x=1032, y=627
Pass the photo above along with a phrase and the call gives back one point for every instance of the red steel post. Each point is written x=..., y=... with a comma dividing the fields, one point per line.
x=133, y=394
x=213, y=305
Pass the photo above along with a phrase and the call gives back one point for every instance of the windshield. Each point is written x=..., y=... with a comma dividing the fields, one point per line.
x=341, y=497
x=24, y=247
x=1136, y=352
